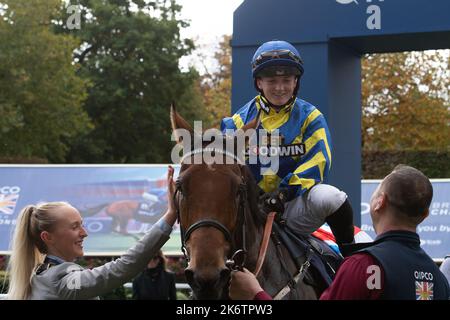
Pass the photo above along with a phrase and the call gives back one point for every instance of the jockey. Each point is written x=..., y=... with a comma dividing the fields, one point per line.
x=297, y=188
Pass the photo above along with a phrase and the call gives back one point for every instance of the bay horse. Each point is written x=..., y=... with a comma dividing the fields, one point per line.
x=221, y=222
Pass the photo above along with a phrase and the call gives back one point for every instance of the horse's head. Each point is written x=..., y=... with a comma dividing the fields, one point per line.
x=212, y=201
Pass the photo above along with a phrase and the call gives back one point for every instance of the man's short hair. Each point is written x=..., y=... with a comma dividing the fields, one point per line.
x=409, y=191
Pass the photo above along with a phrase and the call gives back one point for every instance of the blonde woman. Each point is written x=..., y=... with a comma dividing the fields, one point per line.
x=49, y=237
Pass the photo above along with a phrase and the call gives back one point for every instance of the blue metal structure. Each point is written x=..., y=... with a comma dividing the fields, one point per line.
x=331, y=36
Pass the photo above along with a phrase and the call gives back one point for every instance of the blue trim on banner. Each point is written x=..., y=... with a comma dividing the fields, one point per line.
x=137, y=194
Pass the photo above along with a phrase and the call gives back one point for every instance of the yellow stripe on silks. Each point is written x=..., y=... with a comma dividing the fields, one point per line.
x=318, y=160
x=318, y=135
x=298, y=139
x=238, y=121
x=274, y=120
x=270, y=182
x=311, y=117
x=305, y=183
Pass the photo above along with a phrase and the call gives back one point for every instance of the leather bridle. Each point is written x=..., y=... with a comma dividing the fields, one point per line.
x=238, y=258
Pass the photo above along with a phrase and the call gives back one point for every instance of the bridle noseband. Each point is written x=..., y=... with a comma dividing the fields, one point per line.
x=238, y=258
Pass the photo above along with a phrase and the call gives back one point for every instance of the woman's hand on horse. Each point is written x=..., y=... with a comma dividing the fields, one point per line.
x=243, y=285
x=171, y=214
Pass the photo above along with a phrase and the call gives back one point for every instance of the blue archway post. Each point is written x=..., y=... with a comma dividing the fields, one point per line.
x=331, y=37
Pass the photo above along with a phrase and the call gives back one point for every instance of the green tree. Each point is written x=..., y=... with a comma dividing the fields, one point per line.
x=40, y=94
x=216, y=85
x=130, y=53
x=406, y=101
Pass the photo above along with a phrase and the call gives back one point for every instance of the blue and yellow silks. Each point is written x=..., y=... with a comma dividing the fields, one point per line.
x=299, y=122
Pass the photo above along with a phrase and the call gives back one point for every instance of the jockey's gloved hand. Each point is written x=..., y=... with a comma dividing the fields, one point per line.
x=274, y=201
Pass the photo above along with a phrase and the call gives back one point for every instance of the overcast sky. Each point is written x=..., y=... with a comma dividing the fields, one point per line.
x=209, y=21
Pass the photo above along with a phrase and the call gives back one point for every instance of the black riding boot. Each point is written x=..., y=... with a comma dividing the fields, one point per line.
x=341, y=224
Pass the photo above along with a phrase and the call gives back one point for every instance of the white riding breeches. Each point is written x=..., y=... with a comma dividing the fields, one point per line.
x=306, y=213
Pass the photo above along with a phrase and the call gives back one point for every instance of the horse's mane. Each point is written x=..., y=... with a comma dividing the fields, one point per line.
x=253, y=190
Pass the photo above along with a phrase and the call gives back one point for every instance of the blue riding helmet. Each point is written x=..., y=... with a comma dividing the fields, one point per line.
x=277, y=58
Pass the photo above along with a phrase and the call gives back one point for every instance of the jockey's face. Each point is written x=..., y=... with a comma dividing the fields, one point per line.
x=277, y=89
x=66, y=239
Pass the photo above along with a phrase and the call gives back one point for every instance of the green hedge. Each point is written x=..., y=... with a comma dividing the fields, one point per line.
x=3, y=282
x=23, y=160
x=377, y=164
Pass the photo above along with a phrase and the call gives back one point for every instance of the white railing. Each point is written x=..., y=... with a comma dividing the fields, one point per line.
x=178, y=286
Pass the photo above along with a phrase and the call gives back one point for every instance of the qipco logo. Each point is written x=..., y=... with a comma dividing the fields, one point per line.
x=9, y=190
x=373, y=21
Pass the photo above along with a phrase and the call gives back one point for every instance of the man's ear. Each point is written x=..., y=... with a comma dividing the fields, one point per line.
x=380, y=201
x=258, y=83
x=425, y=215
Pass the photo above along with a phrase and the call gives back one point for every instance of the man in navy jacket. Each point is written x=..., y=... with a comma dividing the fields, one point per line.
x=393, y=267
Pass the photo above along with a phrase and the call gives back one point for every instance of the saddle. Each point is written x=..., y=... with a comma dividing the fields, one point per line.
x=324, y=261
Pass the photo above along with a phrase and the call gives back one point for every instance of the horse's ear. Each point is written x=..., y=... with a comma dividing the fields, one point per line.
x=252, y=124
x=246, y=130
x=178, y=122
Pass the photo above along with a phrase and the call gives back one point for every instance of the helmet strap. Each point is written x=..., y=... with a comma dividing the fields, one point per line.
x=297, y=86
x=268, y=104
x=265, y=104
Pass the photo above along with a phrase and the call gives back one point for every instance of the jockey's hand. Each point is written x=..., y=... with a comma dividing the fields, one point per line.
x=243, y=285
x=274, y=201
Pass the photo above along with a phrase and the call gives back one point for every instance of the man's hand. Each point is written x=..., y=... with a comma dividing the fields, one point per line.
x=274, y=201
x=243, y=285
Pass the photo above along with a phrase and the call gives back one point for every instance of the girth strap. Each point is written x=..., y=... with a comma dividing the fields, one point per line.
x=298, y=277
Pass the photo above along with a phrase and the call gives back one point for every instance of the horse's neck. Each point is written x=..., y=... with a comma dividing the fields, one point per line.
x=279, y=269
x=255, y=245
x=277, y=263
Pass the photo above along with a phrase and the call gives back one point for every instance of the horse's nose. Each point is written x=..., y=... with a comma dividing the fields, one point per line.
x=215, y=281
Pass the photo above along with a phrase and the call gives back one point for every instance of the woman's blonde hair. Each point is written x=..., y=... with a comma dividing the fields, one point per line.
x=28, y=249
